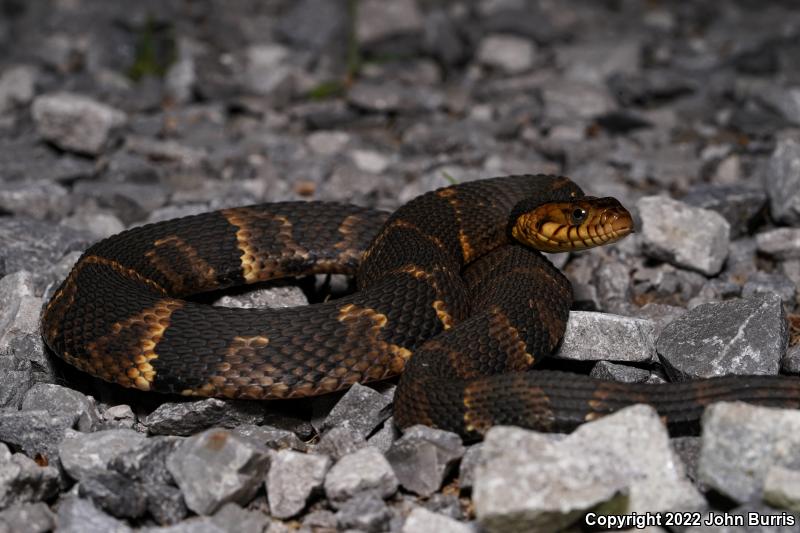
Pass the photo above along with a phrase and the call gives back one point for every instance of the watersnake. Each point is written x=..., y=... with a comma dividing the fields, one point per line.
x=451, y=292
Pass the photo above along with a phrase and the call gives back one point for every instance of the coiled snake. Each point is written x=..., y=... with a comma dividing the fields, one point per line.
x=451, y=293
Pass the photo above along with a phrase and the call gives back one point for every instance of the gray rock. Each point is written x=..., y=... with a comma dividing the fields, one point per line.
x=385, y=436
x=742, y=442
x=165, y=150
x=114, y=493
x=780, y=243
x=63, y=402
x=273, y=297
x=74, y=122
x=575, y=101
x=17, y=86
x=421, y=520
x=782, y=181
x=275, y=438
x=321, y=518
x=391, y=97
x=23, y=481
x=623, y=373
x=782, y=488
x=119, y=416
x=165, y=503
x=362, y=407
x=38, y=200
x=84, y=454
x=766, y=284
x=737, y=203
x=81, y=516
x=688, y=450
x=320, y=25
x=423, y=457
x=131, y=202
x=684, y=236
x=340, y=441
x=743, y=336
x=466, y=470
x=5, y=453
x=364, y=512
x=380, y=21
x=442, y=39
x=28, y=518
x=595, y=61
x=28, y=244
x=594, y=336
x=35, y=433
x=233, y=519
x=614, y=291
x=217, y=467
x=529, y=481
x=507, y=53
x=364, y=470
x=269, y=69
x=790, y=362
x=293, y=477
x=147, y=460
x=101, y=225
x=187, y=418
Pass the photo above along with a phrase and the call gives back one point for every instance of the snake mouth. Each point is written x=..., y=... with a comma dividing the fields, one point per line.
x=573, y=225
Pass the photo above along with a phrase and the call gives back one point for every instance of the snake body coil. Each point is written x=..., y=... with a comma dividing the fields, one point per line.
x=445, y=296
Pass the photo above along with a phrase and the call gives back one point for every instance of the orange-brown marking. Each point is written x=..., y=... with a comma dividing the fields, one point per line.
x=477, y=417
x=258, y=265
x=202, y=276
x=65, y=296
x=364, y=328
x=348, y=251
x=511, y=343
x=129, y=364
x=444, y=316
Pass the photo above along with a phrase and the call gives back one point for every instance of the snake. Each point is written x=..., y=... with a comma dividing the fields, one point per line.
x=453, y=294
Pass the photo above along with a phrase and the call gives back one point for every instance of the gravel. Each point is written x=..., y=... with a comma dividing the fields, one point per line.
x=112, y=117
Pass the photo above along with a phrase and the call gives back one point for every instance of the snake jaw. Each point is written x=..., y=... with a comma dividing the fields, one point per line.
x=573, y=225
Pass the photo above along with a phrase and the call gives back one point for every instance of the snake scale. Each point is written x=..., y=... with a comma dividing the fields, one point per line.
x=452, y=293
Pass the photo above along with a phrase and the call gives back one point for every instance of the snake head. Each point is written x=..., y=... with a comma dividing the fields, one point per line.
x=578, y=224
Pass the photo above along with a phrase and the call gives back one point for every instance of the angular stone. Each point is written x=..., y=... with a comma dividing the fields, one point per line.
x=530, y=481
x=742, y=336
x=35, y=433
x=790, y=362
x=217, y=467
x=390, y=96
x=63, y=402
x=741, y=442
x=273, y=297
x=268, y=69
x=116, y=494
x=508, y=53
x=737, y=203
x=271, y=437
x=84, y=454
x=782, y=488
x=328, y=142
x=320, y=25
x=76, y=515
x=23, y=481
x=622, y=373
x=34, y=245
x=165, y=503
x=466, y=470
x=38, y=200
x=594, y=336
x=187, y=418
x=17, y=86
x=340, y=441
x=232, y=518
x=684, y=236
x=364, y=512
x=379, y=20
x=364, y=470
x=783, y=181
x=576, y=101
x=28, y=518
x=147, y=460
x=119, y=416
x=421, y=520
x=74, y=122
x=292, y=478
x=763, y=283
x=780, y=243
x=385, y=436
x=363, y=407
x=423, y=457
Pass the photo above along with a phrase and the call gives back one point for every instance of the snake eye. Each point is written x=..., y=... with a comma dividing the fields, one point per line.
x=578, y=215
